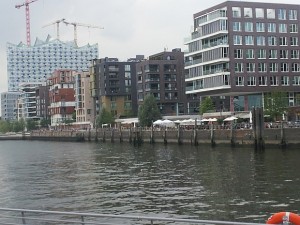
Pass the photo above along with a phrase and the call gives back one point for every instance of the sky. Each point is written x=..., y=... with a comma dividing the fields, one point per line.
x=131, y=27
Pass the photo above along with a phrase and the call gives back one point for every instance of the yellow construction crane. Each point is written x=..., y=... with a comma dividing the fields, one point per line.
x=57, y=26
x=82, y=25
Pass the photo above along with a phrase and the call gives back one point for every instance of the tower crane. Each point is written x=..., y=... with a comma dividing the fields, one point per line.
x=80, y=24
x=57, y=26
x=26, y=4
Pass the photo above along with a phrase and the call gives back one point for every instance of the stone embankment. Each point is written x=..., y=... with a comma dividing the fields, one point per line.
x=280, y=137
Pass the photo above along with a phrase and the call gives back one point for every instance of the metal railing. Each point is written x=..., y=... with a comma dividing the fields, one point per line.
x=10, y=216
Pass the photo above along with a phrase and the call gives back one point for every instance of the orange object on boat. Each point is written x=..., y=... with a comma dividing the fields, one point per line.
x=281, y=217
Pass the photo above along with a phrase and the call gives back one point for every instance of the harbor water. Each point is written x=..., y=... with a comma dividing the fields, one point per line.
x=231, y=184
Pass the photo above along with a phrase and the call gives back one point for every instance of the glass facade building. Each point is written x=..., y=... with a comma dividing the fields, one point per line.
x=36, y=63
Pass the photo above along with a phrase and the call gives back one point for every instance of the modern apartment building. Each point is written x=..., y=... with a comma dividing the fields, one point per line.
x=26, y=107
x=42, y=102
x=83, y=100
x=241, y=50
x=61, y=97
x=162, y=75
x=113, y=85
x=36, y=63
x=9, y=105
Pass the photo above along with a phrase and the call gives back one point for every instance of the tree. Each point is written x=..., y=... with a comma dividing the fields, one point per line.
x=148, y=111
x=275, y=104
x=5, y=126
x=206, y=105
x=18, y=125
x=105, y=117
x=31, y=124
x=45, y=122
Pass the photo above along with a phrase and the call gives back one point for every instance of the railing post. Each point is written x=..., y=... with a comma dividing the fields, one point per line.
x=23, y=218
x=82, y=220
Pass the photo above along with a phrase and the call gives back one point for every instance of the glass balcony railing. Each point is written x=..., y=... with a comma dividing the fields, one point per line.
x=194, y=88
x=193, y=62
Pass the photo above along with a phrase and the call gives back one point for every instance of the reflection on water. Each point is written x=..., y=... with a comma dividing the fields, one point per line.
x=182, y=181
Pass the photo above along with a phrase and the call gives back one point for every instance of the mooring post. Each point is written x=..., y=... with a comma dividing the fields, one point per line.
x=232, y=139
x=151, y=134
x=103, y=135
x=165, y=136
x=179, y=135
x=121, y=134
x=195, y=133
x=282, y=134
x=130, y=134
x=212, y=138
x=89, y=135
x=112, y=135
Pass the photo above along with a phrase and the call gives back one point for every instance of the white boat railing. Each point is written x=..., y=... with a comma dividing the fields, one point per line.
x=10, y=216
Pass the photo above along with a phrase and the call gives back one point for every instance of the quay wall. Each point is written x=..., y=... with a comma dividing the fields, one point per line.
x=287, y=137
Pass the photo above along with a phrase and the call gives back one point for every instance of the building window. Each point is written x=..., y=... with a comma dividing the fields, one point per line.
x=260, y=27
x=236, y=12
x=272, y=27
x=294, y=54
x=296, y=80
x=262, y=67
x=248, y=26
x=238, y=53
x=237, y=39
x=282, y=41
x=239, y=81
x=251, y=81
x=285, y=80
x=281, y=14
x=236, y=26
x=127, y=67
x=261, y=54
x=260, y=40
x=249, y=54
x=272, y=41
x=295, y=67
x=273, y=80
x=273, y=54
x=238, y=67
x=250, y=67
x=284, y=67
x=283, y=54
x=271, y=13
x=294, y=41
x=282, y=28
x=293, y=14
x=249, y=40
x=248, y=12
x=273, y=67
x=259, y=13
x=127, y=75
x=262, y=81
x=293, y=28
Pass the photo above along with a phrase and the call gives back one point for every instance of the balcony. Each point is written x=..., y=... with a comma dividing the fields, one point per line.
x=193, y=62
x=193, y=88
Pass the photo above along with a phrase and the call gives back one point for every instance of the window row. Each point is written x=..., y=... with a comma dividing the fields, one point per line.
x=265, y=81
x=262, y=67
x=262, y=27
x=263, y=41
x=266, y=54
x=281, y=14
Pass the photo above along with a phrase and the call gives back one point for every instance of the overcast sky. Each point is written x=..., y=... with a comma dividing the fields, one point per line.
x=131, y=27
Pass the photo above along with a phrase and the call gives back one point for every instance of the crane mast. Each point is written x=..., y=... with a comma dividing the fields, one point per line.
x=57, y=26
x=26, y=4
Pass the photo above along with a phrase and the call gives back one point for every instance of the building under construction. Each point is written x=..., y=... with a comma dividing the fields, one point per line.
x=37, y=62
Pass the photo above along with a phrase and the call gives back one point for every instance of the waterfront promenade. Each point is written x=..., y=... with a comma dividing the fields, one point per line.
x=280, y=136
